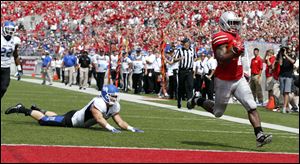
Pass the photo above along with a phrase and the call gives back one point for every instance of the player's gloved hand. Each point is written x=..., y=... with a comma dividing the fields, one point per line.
x=238, y=47
x=136, y=130
x=114, y=130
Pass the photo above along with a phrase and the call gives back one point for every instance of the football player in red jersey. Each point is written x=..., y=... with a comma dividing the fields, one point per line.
x=229, y=80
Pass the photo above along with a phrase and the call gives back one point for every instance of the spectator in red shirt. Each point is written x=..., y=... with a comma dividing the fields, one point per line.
x=255, y=82
x=269, y=59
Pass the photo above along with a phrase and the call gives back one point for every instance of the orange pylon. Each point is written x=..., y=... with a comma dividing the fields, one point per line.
x=55, y=77
x=271, y=104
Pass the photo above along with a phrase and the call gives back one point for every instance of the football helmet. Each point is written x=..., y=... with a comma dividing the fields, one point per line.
x=201, y=51
x=9, y=28
x=230, y=22
x=110, y=94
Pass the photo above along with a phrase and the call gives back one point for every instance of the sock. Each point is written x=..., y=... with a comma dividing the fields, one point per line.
x=27, y=112
x=199, y=101
x=38, y=109
x=257, y=130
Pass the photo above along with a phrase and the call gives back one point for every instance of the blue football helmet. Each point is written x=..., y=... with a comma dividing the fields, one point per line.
x=9, y=28
x=110, y=94
x=201, y=51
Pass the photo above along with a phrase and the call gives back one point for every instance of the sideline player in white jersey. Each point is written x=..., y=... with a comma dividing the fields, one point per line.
x=9, y=47
x=98, y=110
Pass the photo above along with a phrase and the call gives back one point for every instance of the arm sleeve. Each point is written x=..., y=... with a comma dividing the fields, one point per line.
x=116, y=108
x=177, y=55
x=100, y=105
x=214, y=64
x=129, y=60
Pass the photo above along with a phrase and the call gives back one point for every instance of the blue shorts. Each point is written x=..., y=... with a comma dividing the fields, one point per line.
x=285, y=84
x=63, y=121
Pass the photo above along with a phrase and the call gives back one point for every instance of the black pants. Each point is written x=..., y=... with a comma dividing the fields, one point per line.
x=149, y=81
x=57, y=69
x=173, y=82
x=185, y=83
x=100, y=80
x=198, y=83
x=137, y=82
x=92, y=72
x=114, y=76
x=157, y=85
x=5, y=79
x=209, y=88
x=62, y=76
x=125, y=81
x=78, y=77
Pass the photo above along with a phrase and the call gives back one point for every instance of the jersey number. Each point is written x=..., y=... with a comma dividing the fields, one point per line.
x=6, y=52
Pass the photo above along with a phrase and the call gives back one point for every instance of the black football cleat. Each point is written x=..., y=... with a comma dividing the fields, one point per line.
x=263, y=139
x=15, y=109
x=34, y=107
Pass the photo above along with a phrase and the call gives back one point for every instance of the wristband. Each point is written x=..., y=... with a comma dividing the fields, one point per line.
x=109, y=127
x=19, y=67
x=130, y=128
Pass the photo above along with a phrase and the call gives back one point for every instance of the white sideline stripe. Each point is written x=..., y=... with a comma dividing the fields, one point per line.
x=139, y=99
x=139, y=148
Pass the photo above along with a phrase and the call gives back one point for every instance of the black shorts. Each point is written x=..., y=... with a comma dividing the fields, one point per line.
x=5, y=79
x=68, y=118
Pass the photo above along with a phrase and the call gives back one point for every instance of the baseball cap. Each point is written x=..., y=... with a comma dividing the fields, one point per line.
x=185, y=40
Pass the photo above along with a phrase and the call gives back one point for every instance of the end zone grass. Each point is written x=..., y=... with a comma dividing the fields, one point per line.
x=163, y=128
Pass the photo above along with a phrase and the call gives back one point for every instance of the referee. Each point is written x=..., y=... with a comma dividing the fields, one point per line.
x=185, y=55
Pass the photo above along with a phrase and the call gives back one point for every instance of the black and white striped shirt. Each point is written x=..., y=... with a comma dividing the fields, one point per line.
x=188, y=61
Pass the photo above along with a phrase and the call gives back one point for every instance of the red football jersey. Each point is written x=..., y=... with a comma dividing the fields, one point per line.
x=269, y=71
x=230, y=70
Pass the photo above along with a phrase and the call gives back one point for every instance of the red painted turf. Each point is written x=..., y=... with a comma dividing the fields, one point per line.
x=82, y=154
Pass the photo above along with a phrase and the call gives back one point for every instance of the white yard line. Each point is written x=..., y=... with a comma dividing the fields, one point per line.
x=138, y=148
x=282, y=135
x=143, y=100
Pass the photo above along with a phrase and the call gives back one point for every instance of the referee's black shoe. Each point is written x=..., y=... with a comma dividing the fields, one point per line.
x=178, y=104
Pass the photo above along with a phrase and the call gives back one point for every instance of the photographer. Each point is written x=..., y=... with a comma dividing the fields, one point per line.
x=286, y=60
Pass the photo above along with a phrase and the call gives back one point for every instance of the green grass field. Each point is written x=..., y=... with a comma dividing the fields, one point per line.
x=163, y=128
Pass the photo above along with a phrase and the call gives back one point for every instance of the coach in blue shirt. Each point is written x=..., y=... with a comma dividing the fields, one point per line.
x=69, y=63
x=46, y=70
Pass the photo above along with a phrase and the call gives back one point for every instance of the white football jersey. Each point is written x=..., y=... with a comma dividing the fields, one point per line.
x=151, y=59
x=157, y=64
x=138, y=65
x=84, y=117
x=114, y=61
x=7, y=50
x=101, y=63
x=125, y=65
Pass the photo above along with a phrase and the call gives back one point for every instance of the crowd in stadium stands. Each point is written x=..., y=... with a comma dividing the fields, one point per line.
x=68, y=28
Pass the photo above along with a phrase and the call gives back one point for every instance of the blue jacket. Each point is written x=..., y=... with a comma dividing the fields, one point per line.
x=69, y=60
x=46, y=61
